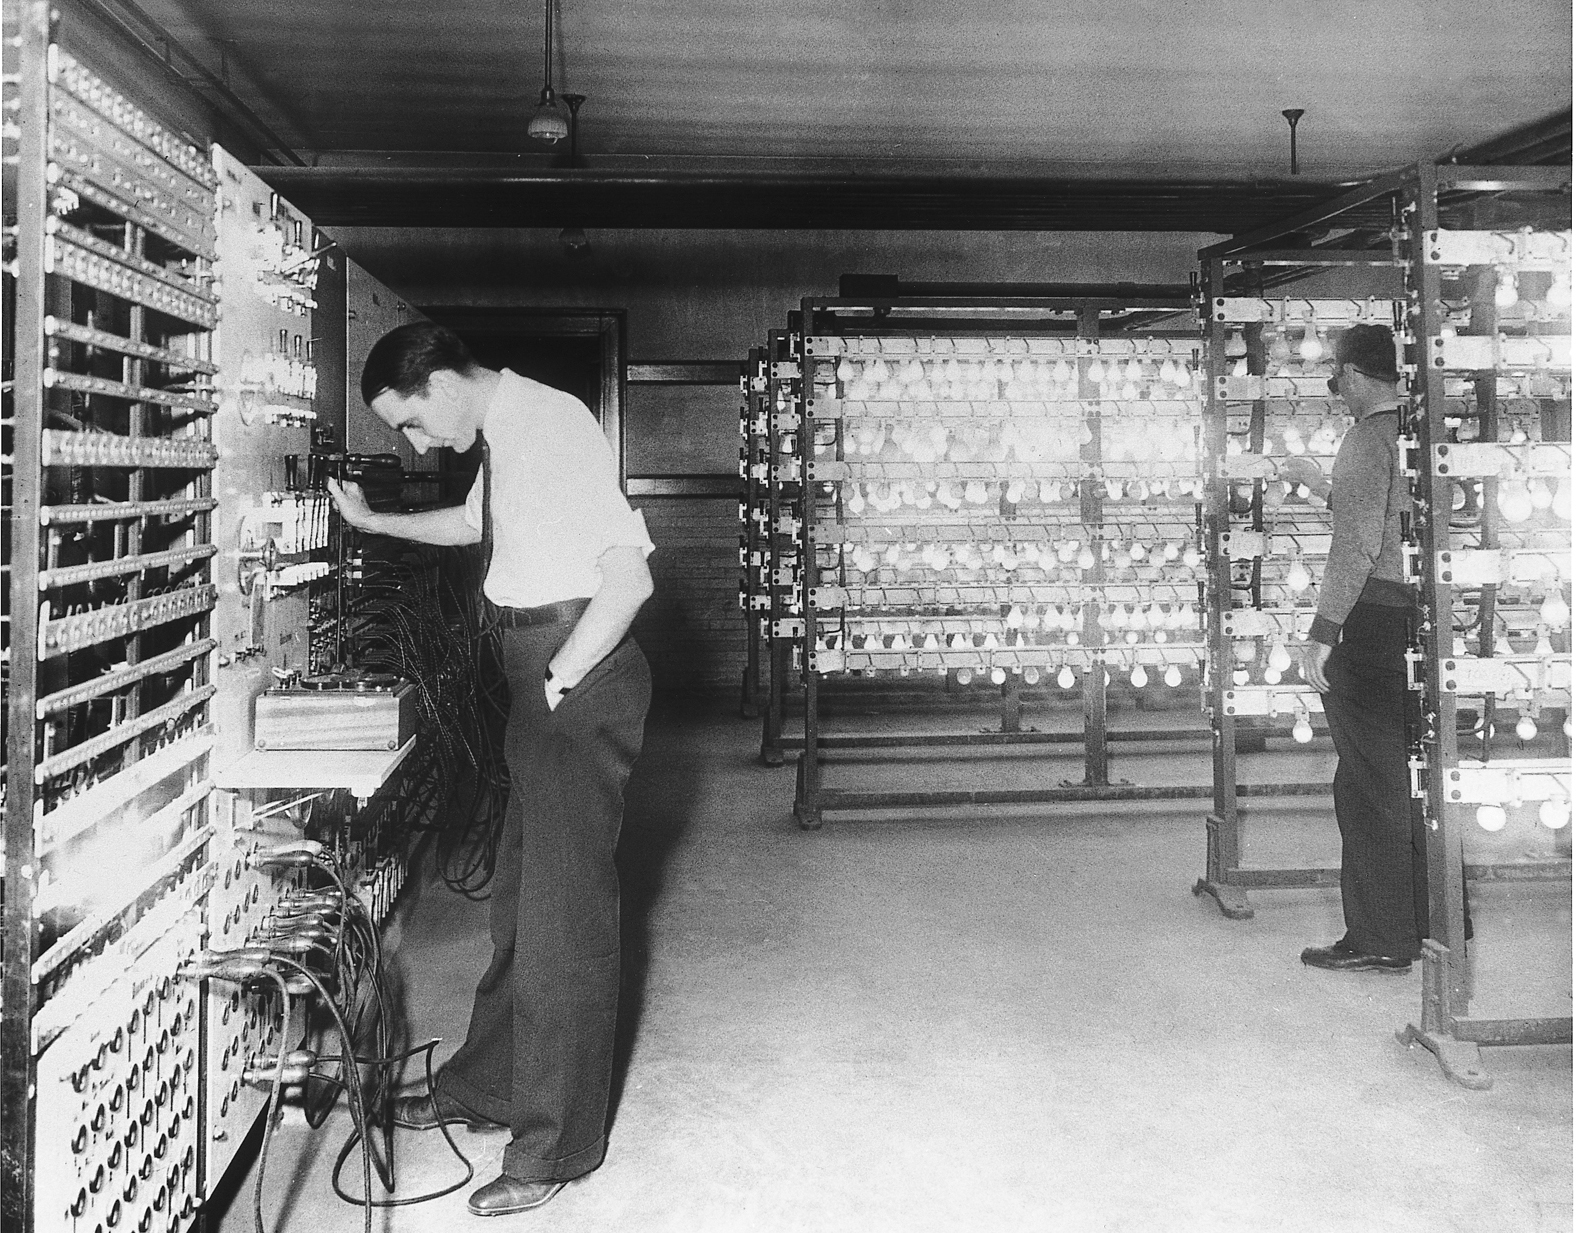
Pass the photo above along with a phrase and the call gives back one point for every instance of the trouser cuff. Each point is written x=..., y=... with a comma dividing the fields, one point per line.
x=524, y=1165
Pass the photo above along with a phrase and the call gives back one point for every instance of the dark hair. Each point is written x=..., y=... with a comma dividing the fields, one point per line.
x=404, y=359
x=1371, y=349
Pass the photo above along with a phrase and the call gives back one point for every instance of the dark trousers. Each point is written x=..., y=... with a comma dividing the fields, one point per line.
x=1384, y=863
x=539, y=1051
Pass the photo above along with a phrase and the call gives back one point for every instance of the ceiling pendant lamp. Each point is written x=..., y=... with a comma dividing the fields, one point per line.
x=549, y=124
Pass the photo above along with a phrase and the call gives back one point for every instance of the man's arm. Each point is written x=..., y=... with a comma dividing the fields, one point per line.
x=626, y=585
x=445, y=526
x=1357, y=536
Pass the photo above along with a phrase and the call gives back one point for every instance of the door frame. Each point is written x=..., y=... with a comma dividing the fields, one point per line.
x=608, y=325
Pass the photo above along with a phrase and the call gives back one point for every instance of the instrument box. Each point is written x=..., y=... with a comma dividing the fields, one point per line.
x=341, y=711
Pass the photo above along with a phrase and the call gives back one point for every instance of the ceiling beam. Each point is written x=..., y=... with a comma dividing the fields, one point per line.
x=459, y=197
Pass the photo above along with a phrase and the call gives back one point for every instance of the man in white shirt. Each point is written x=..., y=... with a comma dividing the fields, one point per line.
x=565, y=561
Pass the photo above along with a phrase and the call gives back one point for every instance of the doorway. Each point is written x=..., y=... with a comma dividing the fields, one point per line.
x=578, y=350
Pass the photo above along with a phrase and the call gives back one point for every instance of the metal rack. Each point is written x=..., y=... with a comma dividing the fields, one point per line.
x=1490, y=409
x=754, y=569
x=1506, y=569
x=1266, y=403
x=1061, y=452
x=109, y=544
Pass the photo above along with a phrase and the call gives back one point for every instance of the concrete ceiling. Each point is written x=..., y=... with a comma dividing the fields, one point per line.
x=1175, y=89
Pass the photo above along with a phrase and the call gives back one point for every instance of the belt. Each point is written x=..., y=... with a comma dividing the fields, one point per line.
x=560, y=613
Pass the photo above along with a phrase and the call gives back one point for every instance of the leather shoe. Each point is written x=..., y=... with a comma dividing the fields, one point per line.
x=425, y=1112
x=1341, y=958
x=505, y=1196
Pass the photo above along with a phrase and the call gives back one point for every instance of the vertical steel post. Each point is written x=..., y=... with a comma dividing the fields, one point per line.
x=808, y=805
x=1431, y=529
x=749, y=699
x=16, y=1051
x=776, y=648
x=1223, y=839
x=1092, y=514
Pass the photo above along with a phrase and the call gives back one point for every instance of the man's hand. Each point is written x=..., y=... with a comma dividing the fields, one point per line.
x=1314, y=658
x=1302, y=470
x=353, y=507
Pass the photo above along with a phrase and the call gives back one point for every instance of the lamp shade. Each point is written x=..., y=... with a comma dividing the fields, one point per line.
x=549, y=124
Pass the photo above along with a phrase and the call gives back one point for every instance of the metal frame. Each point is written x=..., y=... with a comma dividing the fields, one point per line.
x=753, y=471
x=33, y=764
x=1415, y=200
x=1445, y=1025
x=1225, y=878
x=1009, y=314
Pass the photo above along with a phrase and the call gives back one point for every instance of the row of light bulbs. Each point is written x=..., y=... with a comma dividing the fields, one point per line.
x=1554, y=813
x=1507, y=291
x=1324, y=440
x=1066, y=677
x=1062, y=618
x=1010, y=556
x=1163, y=439
x=1520, y=498
x=886, y=498
x=952, y=380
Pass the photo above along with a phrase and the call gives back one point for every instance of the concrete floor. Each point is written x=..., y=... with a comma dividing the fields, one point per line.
x=998, y=1024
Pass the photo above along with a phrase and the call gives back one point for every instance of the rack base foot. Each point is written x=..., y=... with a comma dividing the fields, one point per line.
x=771, y=755
x=806, y=812
x=1461, y=1060
x=1233, y=900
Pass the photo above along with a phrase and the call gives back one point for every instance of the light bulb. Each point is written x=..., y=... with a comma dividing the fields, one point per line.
x=1302, y=730
x=1173, y=676
x=1272, y=676
x=1240, y=368
x=1191, y=556
x=1086, y=558
x=1491, y=817
x=965, y=675
x=1298, y=579
x=1015, y=618
x=1506, y=294
x=1140, y=678
x=1526, y=728
x=1542, y=495
x=1236, y=344
x=1555, y=813
x=1515, y=502
x=1310, y=348
x=1559, y=296
x=1239, y=676
x=1031, y=675
x=1280, y=657
x=1097, y=371
x=1554, y=611
x=1065, y=677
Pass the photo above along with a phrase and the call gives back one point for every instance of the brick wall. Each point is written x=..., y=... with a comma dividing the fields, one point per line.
x=692, y=630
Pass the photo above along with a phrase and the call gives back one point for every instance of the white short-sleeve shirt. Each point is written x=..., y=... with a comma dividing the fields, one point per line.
x=556, y=503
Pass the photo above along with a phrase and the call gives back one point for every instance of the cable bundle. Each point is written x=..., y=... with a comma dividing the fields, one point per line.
x=420, y=615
